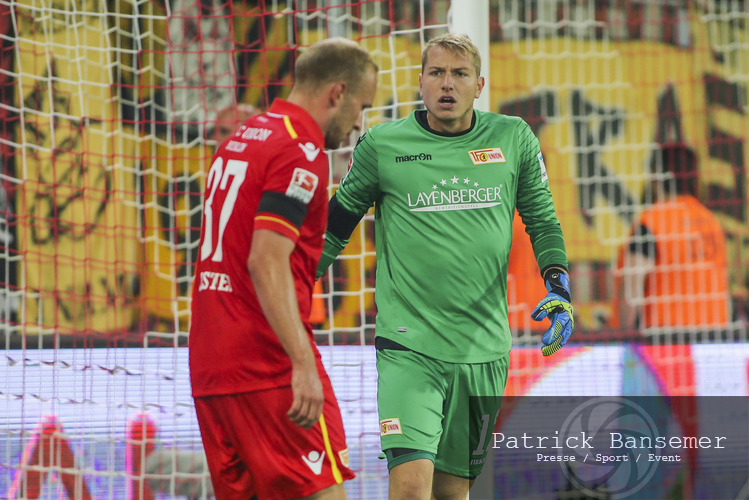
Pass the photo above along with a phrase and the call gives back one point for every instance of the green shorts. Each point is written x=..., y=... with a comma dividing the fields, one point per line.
x=424, y=405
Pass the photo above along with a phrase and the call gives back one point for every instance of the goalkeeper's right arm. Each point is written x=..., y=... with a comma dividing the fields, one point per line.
x=341, y=223
x=356, y=195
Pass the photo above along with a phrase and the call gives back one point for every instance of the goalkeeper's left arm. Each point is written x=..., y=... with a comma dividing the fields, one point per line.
x=557, y=307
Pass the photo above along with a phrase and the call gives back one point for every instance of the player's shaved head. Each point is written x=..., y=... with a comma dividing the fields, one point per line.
x=332, y=60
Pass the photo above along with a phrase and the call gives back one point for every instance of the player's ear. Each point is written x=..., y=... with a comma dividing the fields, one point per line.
x=336, y=92
x=479, y=86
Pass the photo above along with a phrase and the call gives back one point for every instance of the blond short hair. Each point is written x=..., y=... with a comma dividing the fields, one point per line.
x=331, y=60
x=457, y=43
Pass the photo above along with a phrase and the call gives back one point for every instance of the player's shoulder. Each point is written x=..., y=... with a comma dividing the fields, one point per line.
x=386, y=132
x=284, y=127
x=506, y=125
x=294, y=139
x=499, y=119
x=258, y=131
x=395, y=126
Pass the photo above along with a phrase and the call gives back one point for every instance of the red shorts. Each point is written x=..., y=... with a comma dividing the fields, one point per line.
x=253, y=448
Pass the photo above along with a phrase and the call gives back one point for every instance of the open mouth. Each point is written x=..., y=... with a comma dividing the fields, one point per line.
x=446, y=99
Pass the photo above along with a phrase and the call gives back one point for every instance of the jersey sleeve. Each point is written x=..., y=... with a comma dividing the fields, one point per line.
x=292, y=180
x=535, y=204
x=359, y=189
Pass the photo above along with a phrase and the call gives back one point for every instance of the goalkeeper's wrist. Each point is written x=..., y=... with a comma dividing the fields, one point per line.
x=333, y=246
x=558, y=281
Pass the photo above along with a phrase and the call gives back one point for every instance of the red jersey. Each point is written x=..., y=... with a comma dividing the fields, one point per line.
x=270, y=173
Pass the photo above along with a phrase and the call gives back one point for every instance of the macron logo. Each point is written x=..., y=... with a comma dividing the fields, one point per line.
x=314, y=461
x=310, y=151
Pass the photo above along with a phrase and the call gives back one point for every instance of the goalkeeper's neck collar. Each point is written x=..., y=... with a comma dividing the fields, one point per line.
x=421, y=118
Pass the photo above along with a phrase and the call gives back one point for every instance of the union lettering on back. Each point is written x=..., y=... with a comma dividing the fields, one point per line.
x=256, y=134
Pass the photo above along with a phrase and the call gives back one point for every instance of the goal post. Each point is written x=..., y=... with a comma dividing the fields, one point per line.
x=463, y=18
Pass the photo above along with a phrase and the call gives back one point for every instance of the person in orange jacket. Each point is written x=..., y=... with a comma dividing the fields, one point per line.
x=672, y=275
x=523, y=285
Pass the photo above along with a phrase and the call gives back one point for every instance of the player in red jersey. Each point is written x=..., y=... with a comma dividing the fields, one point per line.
x=268, y=417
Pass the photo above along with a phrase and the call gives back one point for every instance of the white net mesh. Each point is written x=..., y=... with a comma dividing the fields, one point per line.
x=108, y=117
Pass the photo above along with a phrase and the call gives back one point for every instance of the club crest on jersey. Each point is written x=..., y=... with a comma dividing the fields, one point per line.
x=490, y=155
x=390, y=426
x=303, y=185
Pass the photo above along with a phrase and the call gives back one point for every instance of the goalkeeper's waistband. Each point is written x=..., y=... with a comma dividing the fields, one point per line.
x=383, y=344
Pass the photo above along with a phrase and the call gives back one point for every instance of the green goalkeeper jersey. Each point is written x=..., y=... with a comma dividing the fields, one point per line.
x=444, y=206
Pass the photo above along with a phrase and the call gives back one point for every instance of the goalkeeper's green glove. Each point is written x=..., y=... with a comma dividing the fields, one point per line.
x=556, y=305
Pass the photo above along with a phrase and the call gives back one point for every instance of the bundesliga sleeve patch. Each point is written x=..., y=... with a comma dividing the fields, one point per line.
x=302, y=186
x=542, y=166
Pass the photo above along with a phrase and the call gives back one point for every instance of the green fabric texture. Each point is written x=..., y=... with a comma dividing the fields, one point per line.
x=444, y=207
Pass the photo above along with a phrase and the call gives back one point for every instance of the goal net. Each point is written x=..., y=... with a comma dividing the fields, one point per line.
x=109, y=116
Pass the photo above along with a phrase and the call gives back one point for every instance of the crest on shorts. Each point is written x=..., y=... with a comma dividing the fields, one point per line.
x=343, y=455
x=390, y=426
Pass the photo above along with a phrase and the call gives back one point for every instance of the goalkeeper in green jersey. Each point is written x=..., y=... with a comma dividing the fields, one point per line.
x=445, y=183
